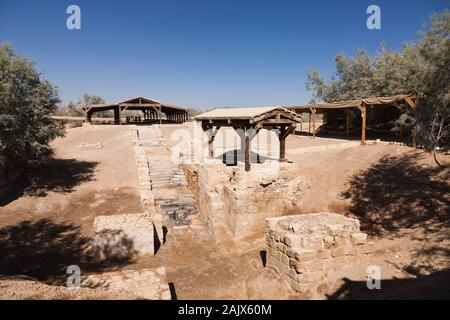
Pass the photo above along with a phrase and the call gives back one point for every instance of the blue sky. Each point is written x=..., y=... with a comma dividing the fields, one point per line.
x=201, y=53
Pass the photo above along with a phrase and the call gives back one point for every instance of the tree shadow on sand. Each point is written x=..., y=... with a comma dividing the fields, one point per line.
x=49, y=175
x=398, y=193
x=43, y=250
x=433, y=286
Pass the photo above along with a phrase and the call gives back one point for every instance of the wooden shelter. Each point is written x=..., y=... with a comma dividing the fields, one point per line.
x=153, y=111
x=250, y=121
x=399, y=101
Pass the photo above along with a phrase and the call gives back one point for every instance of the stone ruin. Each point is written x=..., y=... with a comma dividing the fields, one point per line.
x=148, y=284
x=122, y=236
x=235, y=202
x=304, y=248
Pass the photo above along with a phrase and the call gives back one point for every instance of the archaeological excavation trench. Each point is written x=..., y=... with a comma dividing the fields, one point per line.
x=218, y=231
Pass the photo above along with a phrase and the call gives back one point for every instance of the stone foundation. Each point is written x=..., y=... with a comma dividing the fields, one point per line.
x=304, y=248
x=232, y=201
x=122, y=236
x=146, y=283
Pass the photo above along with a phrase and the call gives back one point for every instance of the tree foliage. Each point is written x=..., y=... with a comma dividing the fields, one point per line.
x=26, y=99
x=74, y=108
x=421, y=68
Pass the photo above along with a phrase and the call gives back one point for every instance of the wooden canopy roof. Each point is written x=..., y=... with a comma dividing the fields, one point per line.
x=249, y=121
x=397, y=100
x=250, y=116
x=136, y=103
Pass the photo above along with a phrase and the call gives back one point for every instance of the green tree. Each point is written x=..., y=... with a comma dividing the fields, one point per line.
x=433, y=113
x=88, y=99
x=26, y=100
x=421, y=68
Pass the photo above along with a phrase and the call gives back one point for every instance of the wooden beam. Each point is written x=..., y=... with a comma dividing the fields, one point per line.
x=211, y=133
x=410, y=102
x=282, y=139
x=313, y=111
x=159, y=115
x=247, y=152
x=309, y=126
x=363, y=110
x=288, y=131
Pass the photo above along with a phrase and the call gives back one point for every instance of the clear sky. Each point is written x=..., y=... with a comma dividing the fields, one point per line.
x=201, y=53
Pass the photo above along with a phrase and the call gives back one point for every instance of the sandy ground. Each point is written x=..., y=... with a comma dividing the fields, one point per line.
x=400, y=196
x=92, y=173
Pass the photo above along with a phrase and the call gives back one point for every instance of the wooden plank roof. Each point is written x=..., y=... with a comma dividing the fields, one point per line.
x=136, y=102
x=356, y=103
x=244, y=113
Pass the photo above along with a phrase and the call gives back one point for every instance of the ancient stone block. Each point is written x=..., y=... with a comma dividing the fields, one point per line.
x=304, y=254
x=313, y=244
x=123, y=235
x=359, y=238
x=292, y=240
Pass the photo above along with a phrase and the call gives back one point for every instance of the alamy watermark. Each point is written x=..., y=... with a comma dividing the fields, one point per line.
x=374, y=20
x=373, y=277
x=74, y=280
x=73, y=21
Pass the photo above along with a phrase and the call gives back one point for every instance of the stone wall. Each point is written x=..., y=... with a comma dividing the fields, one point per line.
x=145, y=186
x=234, y=202
x=304, y=248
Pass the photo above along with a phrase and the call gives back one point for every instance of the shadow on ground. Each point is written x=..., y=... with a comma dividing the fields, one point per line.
x=43, y=250
x=237, y=155
x=433, y=286
x=397, y=193
x=49, y=175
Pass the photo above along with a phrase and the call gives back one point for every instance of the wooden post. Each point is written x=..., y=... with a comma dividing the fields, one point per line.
x=212, y=134
x=313, y=111
x=211, y=147
x=309, y=126
x=247, y=151
x=363, y=129
x=301, y=124
x=116, y=115
x=159, y=115
x=282, y=139
x=88, y=116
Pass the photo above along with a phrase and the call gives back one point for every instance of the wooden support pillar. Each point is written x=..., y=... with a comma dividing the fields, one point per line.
x=88, y=116
x=159, y=115
x=284, y=133
x=309, y=126
x=117, y=115
x=282, y=139
x=313, y=112
x=247, y=151
x=301, y=123
x=211, y=133
x=363, y=110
